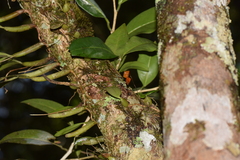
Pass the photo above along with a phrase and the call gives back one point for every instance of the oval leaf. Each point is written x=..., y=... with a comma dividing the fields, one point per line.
x=91, y=47
x=134, y=65
x=152, y=63
x=138, y=44
x=45, y=105
x=29, y=136
x=117, y=39
x=114, y=91
x=91, y=7
x=143, y=23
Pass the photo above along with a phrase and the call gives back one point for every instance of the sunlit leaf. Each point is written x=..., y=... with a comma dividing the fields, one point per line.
x=68, y=129
x=29, y=136
x=44, y=105
x=152, y=63
x=138, y=44
x=117, y=39
x=91, y=7
x=134, y=65
x=143, y=23
x=91, y=47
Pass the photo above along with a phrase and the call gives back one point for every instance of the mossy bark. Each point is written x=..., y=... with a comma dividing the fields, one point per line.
x=199, y=80
x=120, y=125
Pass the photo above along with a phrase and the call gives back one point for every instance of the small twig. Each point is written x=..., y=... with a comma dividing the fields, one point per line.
x=31, y=68
x=69, y=151
x=147, y=90
x=83, y=158
x=87, y=119
x=38, y=114
x=59, y=83
x=118, y=64
x=71, y=97
x=115, y=12
x=8, y=4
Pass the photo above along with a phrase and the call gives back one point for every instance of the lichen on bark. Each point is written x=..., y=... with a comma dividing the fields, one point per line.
x=199, y=80
x=120, y=125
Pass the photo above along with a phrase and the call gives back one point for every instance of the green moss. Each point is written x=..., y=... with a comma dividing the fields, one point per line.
x=109, y=99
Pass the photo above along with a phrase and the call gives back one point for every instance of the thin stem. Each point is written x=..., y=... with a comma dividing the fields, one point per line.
x=61, y=147
x=118, y=64
x=108, y=24
x=115, y=12
x=69, y=150
x=83, y=158
x=147, y=90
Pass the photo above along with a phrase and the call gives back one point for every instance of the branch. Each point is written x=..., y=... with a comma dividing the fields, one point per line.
x=120, y=125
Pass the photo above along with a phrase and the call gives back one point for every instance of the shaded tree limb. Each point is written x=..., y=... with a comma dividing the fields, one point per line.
x=120, y=125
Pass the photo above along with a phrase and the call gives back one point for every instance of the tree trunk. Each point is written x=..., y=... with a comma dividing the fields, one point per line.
x=131, y=131
x=199, y=80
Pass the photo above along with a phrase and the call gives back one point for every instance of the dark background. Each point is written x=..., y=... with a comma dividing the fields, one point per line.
x=14, y=116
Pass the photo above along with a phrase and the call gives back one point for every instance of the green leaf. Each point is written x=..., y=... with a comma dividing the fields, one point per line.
x=138, y=44
x=134, y=65
x=66, y=112
x=91, y=47
x=143, y=23
x=45, y=105
x=144, y=95
x=68, y=129
x=114, y=91
x=81, y=130
x=117, y=39
x=2, y=54
x=124, y=102
x=120, y=2
x=89, y=140
x=152, y=63
x=91, y=7
x=29, y=136
x=9, y=64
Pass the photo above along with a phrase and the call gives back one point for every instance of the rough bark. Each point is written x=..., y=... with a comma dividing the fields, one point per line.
x=121, y=126
x=199, y=80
